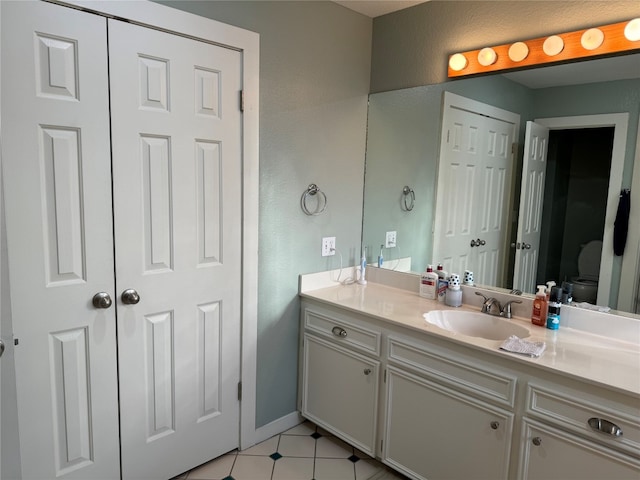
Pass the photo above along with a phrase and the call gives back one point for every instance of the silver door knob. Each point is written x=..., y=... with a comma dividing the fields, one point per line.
x=526, y=246
x=130, y=297
x=101, y=300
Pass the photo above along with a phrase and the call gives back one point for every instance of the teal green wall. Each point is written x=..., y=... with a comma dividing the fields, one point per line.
x=314, y=82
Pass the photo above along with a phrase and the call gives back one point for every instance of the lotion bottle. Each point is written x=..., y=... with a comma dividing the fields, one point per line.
x=429, y=283
x=443, y=282
x=539, y=312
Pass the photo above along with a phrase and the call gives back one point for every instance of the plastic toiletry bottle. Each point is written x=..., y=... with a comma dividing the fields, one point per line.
x=550, y=285
x=453, y=297
x=429, y=283
x=363, y=268
x=443, y=282
x=540, y=304
x=567, y=292
x=380, y=257
x=555, y=302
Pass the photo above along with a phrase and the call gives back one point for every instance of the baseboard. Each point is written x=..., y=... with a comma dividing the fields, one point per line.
x=276, y=427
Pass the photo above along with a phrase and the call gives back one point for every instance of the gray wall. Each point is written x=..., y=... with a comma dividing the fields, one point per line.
x=314, y=81
x=411, y=47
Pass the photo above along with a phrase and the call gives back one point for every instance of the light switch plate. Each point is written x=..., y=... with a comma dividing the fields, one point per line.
x=328, y=246
x=390, y=241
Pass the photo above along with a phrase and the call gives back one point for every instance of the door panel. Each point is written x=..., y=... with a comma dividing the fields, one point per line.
x=534, y=169
x=177, y=212
x=57, y=186
x=473, y=183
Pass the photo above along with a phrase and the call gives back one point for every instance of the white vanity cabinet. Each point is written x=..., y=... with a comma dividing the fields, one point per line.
x=433, y=408
x=570, y=433
x=340, y=378
x=446, y=417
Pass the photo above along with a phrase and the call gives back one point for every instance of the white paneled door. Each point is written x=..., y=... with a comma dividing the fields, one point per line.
x=534, y=168
x=57, y=187
x=474, y=189
x=177, y=208
x=163, y=113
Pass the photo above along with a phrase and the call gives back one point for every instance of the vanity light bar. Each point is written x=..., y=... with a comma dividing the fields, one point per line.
x=607, y=39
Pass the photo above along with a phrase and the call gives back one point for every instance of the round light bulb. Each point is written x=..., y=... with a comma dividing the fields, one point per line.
x=553, y=45
x=632, y=30
x=487, y=56
x=518, y=51
x=592, y=38
x=458, y=62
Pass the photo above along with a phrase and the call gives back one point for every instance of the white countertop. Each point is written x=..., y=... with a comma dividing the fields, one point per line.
x=609, y=362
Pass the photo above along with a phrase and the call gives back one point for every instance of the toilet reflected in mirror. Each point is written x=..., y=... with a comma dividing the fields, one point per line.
x=585, y=285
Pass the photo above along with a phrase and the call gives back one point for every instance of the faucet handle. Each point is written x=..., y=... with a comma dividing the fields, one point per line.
x=506, y=308
x=485, y=307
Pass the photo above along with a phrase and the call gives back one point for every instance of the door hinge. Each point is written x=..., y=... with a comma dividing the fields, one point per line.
x=239, y=391
x=448, y=132
x=381, y=445
x=385, y=376
x=242, y=100
x=513, y=148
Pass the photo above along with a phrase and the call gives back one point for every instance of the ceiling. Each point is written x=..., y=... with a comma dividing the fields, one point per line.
x=375, y=8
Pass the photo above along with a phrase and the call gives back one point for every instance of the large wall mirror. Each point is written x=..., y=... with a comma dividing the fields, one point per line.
x=589, y=142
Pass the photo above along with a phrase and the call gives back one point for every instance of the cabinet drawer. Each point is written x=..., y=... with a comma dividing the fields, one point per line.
x=343, y=331
x=483, y=382
x=572, y=410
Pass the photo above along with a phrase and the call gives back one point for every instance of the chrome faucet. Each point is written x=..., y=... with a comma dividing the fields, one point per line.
x=503, y=310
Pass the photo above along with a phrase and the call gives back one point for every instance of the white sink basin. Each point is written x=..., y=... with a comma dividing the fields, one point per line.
x=475, y=324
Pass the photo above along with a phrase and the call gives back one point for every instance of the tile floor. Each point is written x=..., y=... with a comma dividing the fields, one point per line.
x=306, y=452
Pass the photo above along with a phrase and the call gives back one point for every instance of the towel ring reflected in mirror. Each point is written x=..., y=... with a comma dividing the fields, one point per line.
x=321, y=200
x=407, y=192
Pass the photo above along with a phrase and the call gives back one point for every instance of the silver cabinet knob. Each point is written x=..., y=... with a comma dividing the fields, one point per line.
x=537, y=441
x=339, y=332
x=367, y=371
x=101, y=300
x=130, y=297
x=495, y=425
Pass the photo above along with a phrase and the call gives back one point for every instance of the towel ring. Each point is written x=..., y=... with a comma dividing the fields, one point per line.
x=311, y=191
x=408, y=192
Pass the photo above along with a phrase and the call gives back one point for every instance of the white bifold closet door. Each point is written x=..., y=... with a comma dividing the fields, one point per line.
x=152, y=385
x=57, y=187
x=177, y=208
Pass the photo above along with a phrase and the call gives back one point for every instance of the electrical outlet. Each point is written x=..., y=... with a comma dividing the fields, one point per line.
x=328, y=246
x=390, y=241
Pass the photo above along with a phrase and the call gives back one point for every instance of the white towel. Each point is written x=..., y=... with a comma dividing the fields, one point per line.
x=515, y=344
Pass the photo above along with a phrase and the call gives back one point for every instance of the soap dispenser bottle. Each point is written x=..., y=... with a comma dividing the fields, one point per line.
x=453, y=297
x=539, y=311
x=429, y=283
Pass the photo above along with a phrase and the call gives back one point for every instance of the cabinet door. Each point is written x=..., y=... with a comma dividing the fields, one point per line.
x=340, y=391
x=550, y=453
x=434, y=432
